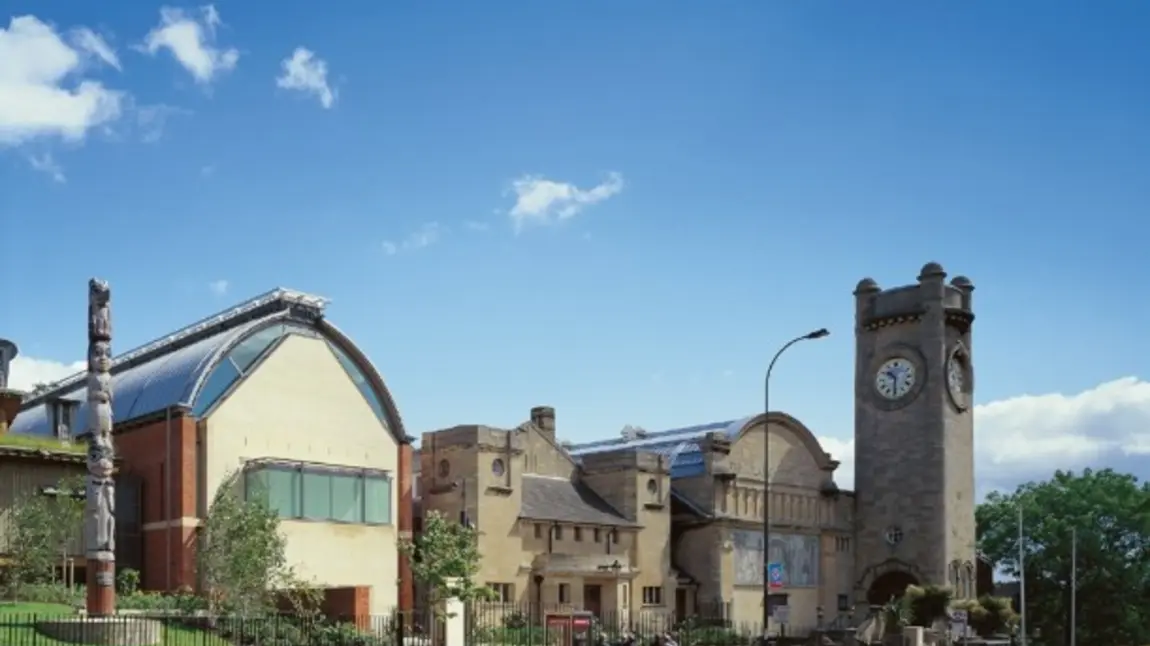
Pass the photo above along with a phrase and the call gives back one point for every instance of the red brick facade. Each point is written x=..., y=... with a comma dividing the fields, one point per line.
x=406, y=596
x=170, y=505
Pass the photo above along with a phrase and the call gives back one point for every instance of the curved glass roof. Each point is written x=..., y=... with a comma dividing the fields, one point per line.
x=196, y=375
x=681, y=445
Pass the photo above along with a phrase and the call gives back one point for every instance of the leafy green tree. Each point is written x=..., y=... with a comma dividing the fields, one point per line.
x=1111, y=514
x=445, y=560
x=43, y=526
x=241, y=557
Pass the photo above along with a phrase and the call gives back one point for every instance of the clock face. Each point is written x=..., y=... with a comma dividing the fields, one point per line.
x=955, y=377
x=895, y=378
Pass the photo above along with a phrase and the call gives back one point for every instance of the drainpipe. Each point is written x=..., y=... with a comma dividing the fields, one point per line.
x=168, y=498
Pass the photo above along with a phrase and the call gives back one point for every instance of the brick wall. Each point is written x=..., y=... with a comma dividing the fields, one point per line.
x=163, y=454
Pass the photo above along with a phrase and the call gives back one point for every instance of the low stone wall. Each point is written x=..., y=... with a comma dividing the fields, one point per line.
x=103, y=631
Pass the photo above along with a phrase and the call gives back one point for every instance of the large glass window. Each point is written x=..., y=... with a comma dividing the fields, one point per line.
x=361, y=382
x=279, y=489
x=322, y=493
x=377, y=500
x=317, y=496
x=347, y=498
x=250, y=349
x=222, y=377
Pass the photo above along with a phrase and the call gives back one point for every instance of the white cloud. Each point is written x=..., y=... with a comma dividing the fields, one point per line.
x=46, y=163
x=42, y=91
x=539, y=200
x=91, y=42
x=1028, y=437
x=26, y=372
x=425, y=236
x=218, y=287
x=191, y=39
x=304, y=72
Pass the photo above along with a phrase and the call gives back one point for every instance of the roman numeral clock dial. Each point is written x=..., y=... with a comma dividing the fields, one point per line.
x=895, y=378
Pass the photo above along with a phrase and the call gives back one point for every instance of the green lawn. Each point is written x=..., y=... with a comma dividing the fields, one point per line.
x=16, y=627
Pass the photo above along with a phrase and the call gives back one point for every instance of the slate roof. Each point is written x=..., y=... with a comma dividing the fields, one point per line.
x=559, y=499
x=681, y=445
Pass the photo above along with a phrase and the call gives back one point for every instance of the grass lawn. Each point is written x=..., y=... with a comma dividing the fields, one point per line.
x=17, y=627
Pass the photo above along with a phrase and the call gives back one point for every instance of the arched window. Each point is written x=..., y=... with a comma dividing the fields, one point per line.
x=239, y=361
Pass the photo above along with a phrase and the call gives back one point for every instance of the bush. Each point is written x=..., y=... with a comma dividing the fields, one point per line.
x=928, y=604
x=48, y=593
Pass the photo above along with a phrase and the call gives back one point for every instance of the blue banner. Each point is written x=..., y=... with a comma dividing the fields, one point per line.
x=775, y=575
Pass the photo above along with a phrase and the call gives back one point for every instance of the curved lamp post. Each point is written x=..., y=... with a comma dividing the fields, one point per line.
x=817, y=334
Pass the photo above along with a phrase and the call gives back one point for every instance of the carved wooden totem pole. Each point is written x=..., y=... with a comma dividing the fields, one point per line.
x=100, y=502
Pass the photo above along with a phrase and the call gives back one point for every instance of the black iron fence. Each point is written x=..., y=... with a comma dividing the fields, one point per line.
x=484, y=624
x=53, y=629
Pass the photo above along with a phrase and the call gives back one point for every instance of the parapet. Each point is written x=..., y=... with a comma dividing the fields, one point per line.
x=876, y=307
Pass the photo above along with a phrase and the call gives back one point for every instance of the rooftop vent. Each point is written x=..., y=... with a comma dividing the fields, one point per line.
x=633, y=432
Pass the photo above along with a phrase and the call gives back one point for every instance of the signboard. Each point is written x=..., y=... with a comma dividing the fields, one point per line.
x=782, y=614
x=775, y=575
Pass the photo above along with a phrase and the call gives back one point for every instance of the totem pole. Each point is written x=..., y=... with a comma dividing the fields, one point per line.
x=100, y=501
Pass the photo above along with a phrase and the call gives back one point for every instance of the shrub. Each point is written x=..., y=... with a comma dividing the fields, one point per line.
x=928, y=604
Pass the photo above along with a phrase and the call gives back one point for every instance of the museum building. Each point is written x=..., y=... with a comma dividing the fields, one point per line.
x=670, y=523
x=268, y=397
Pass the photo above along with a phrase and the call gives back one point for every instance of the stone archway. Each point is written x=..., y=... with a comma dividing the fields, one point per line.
x=889, y=584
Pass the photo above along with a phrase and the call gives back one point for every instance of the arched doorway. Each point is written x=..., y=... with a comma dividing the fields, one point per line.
x=887, y=585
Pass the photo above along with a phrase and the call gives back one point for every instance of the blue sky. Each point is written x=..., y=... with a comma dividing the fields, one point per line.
x=697, y=183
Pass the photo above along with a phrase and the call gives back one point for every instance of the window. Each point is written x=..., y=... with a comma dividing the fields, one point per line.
x=652, y=486
x=317, y=496
x=558, y=533
x=578, y=534
x=538, y=530
x=626, y=596
x=347, y=499
x=842, y=543
x=503, y=592
x=652, y=596
x=377, y=500
x=844, y=603
x=564, y=593
x=321, y=494
x=361, y=382
x=615, y=536
x=595, y=533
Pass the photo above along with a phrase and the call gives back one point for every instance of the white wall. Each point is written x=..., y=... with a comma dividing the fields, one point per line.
x=301, y=405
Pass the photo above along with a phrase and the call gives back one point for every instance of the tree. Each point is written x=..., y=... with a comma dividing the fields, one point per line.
x=43, y=525
x=1111, y=514
x=445, y=559
x=241, y=557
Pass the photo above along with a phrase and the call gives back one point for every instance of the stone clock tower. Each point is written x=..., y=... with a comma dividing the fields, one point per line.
x=914, y=437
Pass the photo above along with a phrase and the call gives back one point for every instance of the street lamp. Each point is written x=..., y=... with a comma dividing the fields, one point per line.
x=817, y=334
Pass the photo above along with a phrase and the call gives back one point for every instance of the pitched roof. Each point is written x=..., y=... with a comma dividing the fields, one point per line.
x=559, y=499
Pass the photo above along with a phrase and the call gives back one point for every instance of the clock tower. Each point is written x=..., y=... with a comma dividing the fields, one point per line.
x=914, y=437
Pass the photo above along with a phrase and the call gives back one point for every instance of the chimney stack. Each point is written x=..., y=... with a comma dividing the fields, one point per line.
x=9, y=399
x=543, y=417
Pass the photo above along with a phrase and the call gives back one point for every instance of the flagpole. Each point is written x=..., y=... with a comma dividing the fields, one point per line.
x=1021, y=577
x=1073, y=586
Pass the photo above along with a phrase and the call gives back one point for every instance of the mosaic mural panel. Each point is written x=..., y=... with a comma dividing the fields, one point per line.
x=799, y=554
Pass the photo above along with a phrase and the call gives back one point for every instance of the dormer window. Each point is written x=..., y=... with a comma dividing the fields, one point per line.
x=63, y=412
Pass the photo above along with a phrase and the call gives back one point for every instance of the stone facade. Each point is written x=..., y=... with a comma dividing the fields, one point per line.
x=914, y=451
x=687, y=505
